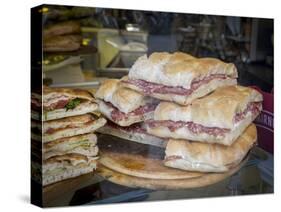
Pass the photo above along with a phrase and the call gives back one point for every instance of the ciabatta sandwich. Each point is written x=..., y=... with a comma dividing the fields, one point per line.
x=197, y=156
x=67, y=166
x=71, y=126
x=123, y=106
x=63, y=102
x=179, y=77
x=85, y=144
x=220, y=117
x=63, y=28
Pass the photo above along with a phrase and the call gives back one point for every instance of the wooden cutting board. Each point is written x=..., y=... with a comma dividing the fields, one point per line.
x=164, y=184
x=139, y=160
x=138, y=165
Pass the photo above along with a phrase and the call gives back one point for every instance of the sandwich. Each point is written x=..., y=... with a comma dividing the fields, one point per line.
x=62, y=37
x=67, y=166
x=123, y=106
x=62, y=43
x=62, y=102
x=204, y=157
x=63, y=28
x=220, y=117
x=71, y=126
x=81, y=144
x=179, y=77
x=136, y=132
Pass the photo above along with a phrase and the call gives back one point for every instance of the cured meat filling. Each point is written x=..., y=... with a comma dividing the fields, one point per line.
x=136, y=128
x=149, y=87
x=253, y=108
x=117, y=115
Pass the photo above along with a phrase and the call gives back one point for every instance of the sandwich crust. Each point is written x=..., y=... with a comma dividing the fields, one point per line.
x=196, y=156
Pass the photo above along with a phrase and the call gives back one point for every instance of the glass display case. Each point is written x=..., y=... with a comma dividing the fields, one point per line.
x=254, y=177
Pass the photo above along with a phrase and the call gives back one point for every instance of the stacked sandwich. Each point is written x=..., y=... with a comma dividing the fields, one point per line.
x=69, y=144
x=205, y=116
x=126, y=110
x=36, y=145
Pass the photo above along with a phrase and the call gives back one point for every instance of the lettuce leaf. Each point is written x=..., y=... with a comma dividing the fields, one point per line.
x=72, y=104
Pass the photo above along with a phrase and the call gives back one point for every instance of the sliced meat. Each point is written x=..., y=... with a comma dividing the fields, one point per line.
x=58, y=105
x=173, y=157
x=52, y=130
x=193, y=127
x=253, y=107
x=117, y=115
x=149, y=87
x=56, y=102
x=136, y=128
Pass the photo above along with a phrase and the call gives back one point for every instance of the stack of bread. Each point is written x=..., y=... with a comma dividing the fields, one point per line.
x=69, y=145
x=203, y=114
x=126, y=110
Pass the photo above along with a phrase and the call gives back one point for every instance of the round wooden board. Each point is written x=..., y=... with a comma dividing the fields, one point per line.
x=162, y=184
x=138, y=160
x=145, y=167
